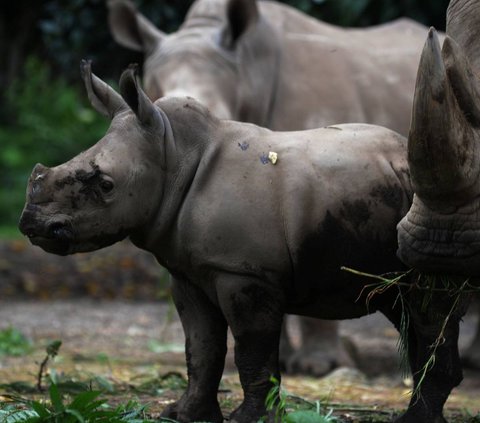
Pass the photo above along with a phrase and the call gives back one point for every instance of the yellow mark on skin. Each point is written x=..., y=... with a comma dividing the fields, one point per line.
x=273, y=157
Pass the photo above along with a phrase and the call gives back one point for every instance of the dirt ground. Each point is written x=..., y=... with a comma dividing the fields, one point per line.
x=138, y=340
x=100, y=305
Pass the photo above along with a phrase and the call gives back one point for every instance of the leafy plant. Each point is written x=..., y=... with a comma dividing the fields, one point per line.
x=13, y=342
x=52, y=351
x=86, y=407
x=278, y=401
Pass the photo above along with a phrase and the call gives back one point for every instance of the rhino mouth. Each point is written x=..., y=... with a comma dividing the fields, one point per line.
x=50, y=245
x=436, y=242
x=57, y=239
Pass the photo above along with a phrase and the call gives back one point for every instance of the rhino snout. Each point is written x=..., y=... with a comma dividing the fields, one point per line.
x=54, y=237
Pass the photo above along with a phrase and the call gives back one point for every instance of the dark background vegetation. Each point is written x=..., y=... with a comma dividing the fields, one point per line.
x=44, y=115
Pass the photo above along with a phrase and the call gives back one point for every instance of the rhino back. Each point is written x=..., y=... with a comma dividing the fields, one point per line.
x=331, y=75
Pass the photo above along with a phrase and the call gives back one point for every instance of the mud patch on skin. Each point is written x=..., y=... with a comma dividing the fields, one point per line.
x=390, y=195
x=356, y=212
x=89, y=182
x=319, y=265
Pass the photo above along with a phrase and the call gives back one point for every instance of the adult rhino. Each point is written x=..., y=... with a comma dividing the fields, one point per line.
x=246, y=235
x=439, y=236
x=269, y=64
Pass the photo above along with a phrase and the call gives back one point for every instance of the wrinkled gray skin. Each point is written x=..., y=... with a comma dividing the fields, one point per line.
x=269, y=64
x=245, y=241
x=440, y=235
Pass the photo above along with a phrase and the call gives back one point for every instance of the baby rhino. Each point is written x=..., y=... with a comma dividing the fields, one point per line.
x=251, y=224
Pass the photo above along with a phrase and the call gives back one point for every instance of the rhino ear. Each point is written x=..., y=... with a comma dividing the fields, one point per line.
x=103, y=98
x=241, y=15
x=135, y=97
x=130, y=28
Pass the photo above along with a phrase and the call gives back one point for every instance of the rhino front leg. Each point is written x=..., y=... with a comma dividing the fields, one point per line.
x=253, y=310
x=206, y=345
x=433, y=334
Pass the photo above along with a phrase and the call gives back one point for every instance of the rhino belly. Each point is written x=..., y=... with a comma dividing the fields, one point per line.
x=322, y=288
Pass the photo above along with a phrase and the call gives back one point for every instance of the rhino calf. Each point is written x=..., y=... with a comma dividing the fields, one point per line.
x=246, y=238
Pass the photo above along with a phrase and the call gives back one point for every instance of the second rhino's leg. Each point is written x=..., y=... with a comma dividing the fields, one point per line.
x=321, y=350
x=471, y=357
x=286, y=348
x=433, y=335
x=254, y=311
x=205, y=347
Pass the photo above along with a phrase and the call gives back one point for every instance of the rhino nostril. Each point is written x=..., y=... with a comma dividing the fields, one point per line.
x=59, y=231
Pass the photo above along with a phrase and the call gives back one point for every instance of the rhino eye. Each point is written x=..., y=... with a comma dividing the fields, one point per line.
x=106, y=186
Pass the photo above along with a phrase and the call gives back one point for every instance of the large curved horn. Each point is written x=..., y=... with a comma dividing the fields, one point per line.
x=440, y=140
x=103, y=98
x=463, y=25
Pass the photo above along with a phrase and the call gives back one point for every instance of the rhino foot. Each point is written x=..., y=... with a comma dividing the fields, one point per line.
x=318, y=359
x=471, y=360
x=184, y=411
x=251, y=413
x=410, y=417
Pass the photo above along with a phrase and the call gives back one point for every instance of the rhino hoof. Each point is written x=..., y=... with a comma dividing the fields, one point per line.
x=318, y=362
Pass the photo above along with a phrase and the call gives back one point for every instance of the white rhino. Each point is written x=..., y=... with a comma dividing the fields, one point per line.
x=269, y=64
x=440, y=235
x=247, y=235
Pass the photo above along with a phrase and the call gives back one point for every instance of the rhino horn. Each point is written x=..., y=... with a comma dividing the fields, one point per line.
x=463, y=25
x=103, y=98
x=136, y=98
x=241, y=15
x=130, y=28
x=440, y=137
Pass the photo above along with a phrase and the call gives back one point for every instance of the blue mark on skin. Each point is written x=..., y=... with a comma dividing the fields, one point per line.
x=264, y=158
x=244, y=145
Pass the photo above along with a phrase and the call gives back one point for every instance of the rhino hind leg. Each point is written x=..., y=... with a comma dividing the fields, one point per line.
x=433, y=329
x=206, y=346
x=321, y=351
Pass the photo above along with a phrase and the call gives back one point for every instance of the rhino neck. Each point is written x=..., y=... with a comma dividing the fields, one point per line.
x=260, y=54
x=188, y=137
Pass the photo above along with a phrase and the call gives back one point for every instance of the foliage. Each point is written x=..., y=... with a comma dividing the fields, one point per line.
x=14, y=343
x=46, y=121
x=52, y=351
x=85, y=407
x=277, y=401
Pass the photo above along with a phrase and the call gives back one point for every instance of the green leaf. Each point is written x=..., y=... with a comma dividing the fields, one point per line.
x=53, y=347
x=56, y=399
x=307, y=416
x=40, y=409
x=76, y=414
x=85, y=400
